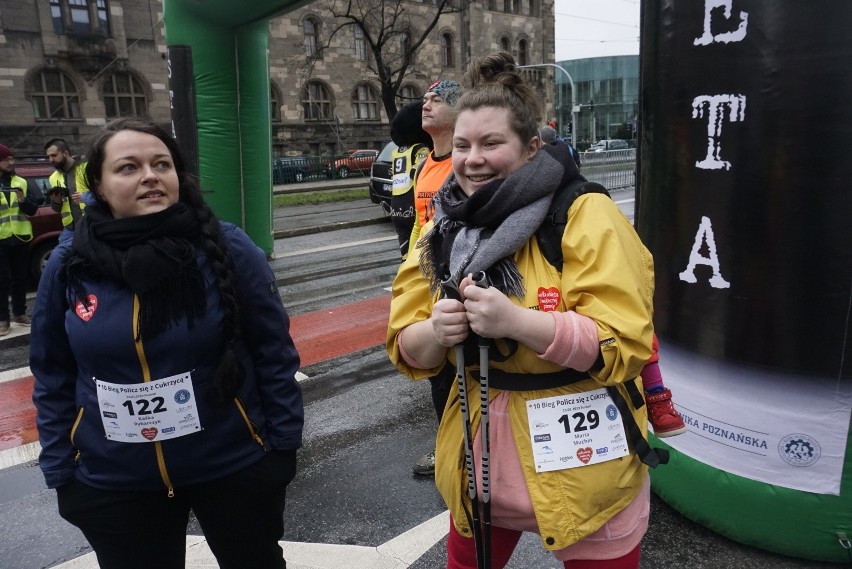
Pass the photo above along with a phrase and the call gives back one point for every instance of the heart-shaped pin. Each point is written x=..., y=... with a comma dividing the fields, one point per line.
x=548, y=298
x=584, y=454
x=151, y=432
x=86, y=313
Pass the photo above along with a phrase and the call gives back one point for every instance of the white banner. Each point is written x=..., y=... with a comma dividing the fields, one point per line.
x=786, y=430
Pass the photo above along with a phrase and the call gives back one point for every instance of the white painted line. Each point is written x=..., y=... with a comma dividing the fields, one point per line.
x=398, y=553
x=333, y=247
x=15, y=374
x=19, y=455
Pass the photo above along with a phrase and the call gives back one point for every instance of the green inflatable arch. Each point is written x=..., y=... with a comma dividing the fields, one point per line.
x=229, y=44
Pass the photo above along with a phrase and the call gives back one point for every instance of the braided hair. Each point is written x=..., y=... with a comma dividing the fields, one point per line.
x=229, y=374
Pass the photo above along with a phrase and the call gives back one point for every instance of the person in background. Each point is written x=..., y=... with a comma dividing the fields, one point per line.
x=15, y=231
x=413, y=146
x=437, y=118
x=548, y=136
x=586, y=340
x=662, y=415
x=68, y=185
x=164, y=368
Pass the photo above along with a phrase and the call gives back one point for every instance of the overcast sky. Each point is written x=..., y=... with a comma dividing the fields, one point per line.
x=592, y=28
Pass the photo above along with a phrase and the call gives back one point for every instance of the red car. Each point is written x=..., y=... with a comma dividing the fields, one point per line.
x=360, y=161
x=47, y=224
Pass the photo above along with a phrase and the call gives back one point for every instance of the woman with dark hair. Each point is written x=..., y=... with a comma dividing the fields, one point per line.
x=413, y=146
x=566, y=346
x=164, y=369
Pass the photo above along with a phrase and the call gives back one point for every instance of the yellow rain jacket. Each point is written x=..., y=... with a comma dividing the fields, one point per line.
x=608, y=276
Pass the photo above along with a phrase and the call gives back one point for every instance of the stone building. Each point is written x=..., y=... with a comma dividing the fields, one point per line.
x=68, y=66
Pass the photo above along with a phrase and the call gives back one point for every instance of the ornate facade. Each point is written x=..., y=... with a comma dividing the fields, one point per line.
x=68, y=66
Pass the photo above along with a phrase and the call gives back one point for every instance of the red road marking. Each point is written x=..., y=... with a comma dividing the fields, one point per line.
x=319, y=336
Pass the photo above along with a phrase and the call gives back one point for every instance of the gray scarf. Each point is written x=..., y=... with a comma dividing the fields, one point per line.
x=483, y=231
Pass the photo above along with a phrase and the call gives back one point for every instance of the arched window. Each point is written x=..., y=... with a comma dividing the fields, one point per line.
x=311, y=28
x=85, y=17
x=505, y=44
x=447, y=59
x=360, y=43
x=274, y=103
x=54, y=96
x=405, y=45
x=316, y=102
x=124, y=96
x=522, y=52
x=365, y=103
x=406, y=94
x=533, y=7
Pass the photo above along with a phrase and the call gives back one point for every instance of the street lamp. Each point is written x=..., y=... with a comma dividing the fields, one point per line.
x=573, y=94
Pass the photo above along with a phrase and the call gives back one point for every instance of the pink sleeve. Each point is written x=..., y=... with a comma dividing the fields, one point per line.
x=408, y=359
x=575, y=342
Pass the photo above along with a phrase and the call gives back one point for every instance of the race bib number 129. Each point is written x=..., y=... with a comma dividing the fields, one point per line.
x=570, y=431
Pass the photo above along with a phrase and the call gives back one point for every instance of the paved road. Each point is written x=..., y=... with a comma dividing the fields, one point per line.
x=366, y=425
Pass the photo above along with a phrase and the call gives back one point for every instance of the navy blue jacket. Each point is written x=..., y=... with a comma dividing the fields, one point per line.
x=68, y=351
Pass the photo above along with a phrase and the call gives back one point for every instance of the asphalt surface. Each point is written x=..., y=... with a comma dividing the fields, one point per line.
x=672, y=541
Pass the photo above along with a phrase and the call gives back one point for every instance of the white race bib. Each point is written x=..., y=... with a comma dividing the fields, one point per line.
x=568, y=431
x=146, y=412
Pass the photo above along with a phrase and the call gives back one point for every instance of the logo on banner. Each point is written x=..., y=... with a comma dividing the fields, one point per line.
x=584, y=454
x=149, y=433
x=799, y=450
x=86, y=313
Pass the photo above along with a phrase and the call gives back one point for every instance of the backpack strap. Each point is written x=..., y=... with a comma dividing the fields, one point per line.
x=652, y=457
x=549, y=233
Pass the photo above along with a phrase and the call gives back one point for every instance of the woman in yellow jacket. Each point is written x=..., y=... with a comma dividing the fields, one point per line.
x=560, y=462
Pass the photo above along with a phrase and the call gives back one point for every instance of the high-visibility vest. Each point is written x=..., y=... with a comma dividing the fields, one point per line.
x=57, y=179
x=13, y=222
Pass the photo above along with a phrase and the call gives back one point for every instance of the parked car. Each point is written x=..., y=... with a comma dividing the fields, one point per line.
x=609, y=144
x=47, y=224
x=381, y=179
x=360, y=161
x=291, y=169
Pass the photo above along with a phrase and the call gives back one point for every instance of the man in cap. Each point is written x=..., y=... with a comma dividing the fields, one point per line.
x=438, y=118
x=15, y=232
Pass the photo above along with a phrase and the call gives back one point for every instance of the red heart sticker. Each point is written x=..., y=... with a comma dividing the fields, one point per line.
x=585, y=454
x=151, y=432
x=86, y=313
x=548, y=298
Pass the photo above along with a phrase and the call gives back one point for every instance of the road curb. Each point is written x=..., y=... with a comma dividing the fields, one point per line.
x=282, y=233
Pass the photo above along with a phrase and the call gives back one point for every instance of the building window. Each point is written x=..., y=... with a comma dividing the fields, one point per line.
x=406, y=94
x=274, y=103
x=311, y=34
x=522, y=52
x=365, y=103
x=360, y=43
x=55, y=97
x=83, y=17
x=446, y=49
x=124, y=97
x=533, y=7
x=316, y=102
x=505, y=45
x=507, y=6
x=490, y=5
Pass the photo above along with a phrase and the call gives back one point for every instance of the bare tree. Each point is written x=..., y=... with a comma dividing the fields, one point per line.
x=393, y=32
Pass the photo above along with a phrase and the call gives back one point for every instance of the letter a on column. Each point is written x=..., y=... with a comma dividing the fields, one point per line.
x=705, y=233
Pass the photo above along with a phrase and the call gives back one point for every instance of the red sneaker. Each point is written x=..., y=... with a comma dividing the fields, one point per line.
x=662, y=415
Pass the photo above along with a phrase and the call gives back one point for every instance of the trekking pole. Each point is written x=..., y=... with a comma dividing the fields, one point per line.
x=452, y=291
x=481, y=281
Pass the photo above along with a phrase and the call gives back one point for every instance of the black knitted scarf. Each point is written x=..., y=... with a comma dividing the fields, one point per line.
x=153, y=255
x=483, y=231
